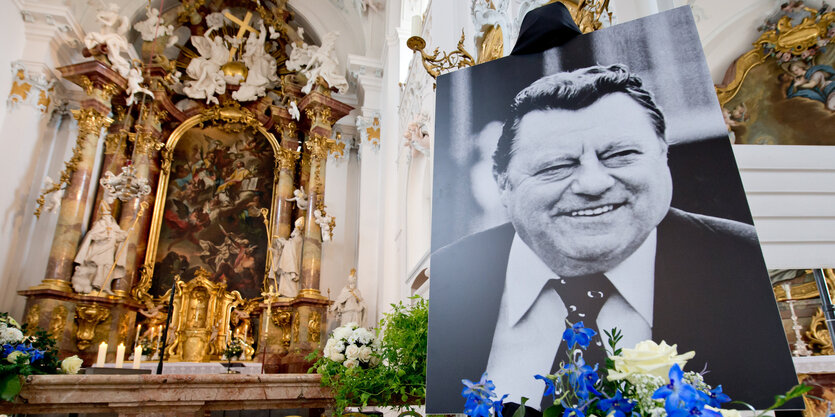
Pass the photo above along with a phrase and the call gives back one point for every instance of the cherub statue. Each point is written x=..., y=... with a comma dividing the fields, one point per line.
x=288, y=262
x=205, y=70
x=154, y=27
x=416, y=138
x=112, y=36
x=97, y=254
x=134, y=87
x=318, y=61
x=325, y=223
x=349, y=305
x=294, y=111
x=53, y=200
x=261, y=68
x=300, y=198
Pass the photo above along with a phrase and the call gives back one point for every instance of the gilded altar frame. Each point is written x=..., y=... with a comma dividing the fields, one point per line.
x=234, y=118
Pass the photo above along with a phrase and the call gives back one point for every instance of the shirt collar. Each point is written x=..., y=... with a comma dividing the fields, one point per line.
x=527, y=274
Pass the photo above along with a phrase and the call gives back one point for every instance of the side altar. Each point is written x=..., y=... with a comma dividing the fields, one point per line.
x=212, y=186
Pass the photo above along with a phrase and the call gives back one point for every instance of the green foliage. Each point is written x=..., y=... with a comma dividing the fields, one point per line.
x=399, y=379
x=36, y=354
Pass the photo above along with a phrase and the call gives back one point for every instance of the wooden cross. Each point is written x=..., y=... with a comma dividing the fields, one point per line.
x=244, y=27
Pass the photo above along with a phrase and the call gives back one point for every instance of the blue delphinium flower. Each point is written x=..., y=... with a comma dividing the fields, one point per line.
x=578, y=335
x=677, y=393
x=550, y=388
x=575, y=412
x=582, y=378
x=697, y=409
x=480, y=398
x=617, y=406
x=716, y=397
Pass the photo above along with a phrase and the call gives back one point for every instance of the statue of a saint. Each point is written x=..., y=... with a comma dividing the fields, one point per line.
x=349, y=305
x=98, y=253
x=289, y=262
x=113, y=27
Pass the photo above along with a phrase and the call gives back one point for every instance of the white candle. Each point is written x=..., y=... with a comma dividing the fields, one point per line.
x=416, y=24
x=138, y=332
x=137, y=355
x=120, y=355
x=102, y=354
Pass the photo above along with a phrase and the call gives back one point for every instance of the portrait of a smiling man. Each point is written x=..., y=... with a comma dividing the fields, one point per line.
x=584, y=174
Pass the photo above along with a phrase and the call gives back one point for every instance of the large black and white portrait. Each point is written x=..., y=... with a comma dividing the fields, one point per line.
x=594, y=182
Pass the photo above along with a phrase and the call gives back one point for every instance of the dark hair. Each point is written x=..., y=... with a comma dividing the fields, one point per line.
x=573, y=91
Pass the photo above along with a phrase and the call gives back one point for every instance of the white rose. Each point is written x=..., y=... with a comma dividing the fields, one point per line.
x=352, y=351
x=71, y=365
x=337, y=357
x=648, y=358
x=730, y=413
x=362, y=335
x=364, y=354
x=12, y=358
x=342, y=333
x=350, y=363
x=11, y=336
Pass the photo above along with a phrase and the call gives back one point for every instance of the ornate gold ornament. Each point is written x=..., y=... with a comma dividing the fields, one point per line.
x=782, y=39
x=287, y=130
x=282, y=320
x=90, y=122
x=124, y=328
x=286, y=158
x=806, y=290
x=145, y=140
x=320, y=146
x=88, y=316
x=20, y=88
x=33, y=317
x=104, y=93
x=587, y=14
x=314, y=327
x=296, y=325
x=320, y=116
x=223, y=116
x=434, y=64
x=818, y=334
x=58, y=321
x=200, y=318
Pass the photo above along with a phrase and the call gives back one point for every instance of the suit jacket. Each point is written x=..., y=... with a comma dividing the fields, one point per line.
x=712, y=295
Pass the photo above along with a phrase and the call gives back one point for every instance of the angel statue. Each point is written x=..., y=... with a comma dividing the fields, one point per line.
x=261, y=68
x=349, y=305
x=289, y=261
x=134, y=79
x=325, y=223
x=154, y=27
x=314, y=62
x=53, y=201
x=294, y=111
x=112, y=37
x=300, y=197
x=98, y=253
x=205, y=70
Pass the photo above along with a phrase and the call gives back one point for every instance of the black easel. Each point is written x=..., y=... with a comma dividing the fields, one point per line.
x=167, y=324
x=826, y=302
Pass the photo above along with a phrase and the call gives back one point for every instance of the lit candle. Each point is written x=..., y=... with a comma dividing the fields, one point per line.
x=102, y=354
x=137, y=355
x=416, y=24
x=138, y=332
x=120, y=355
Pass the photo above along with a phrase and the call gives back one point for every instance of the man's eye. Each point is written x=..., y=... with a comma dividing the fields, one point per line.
x=620, y=158
x=555, y=171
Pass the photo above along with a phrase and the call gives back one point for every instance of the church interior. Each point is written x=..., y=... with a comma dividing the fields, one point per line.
x=192, y=183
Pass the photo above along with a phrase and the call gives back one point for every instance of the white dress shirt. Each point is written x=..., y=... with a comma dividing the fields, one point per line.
x=531, y=321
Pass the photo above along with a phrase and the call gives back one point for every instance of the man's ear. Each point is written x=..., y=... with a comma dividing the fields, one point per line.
x=504, y=186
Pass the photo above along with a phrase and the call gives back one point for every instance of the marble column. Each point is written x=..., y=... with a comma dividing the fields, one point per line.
x=92, y=117
x=319, y=147
x=114, y=158
x=146, y=146
x=286, y=169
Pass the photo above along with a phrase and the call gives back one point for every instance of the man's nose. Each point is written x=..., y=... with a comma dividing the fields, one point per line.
x=591, y=178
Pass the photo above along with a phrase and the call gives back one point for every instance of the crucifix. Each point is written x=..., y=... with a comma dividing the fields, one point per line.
x=244, y=28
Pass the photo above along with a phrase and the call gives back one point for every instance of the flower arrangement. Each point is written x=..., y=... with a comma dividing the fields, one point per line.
x=647, y=380
x=382, y=367
x=234, y=349
x=23, y=355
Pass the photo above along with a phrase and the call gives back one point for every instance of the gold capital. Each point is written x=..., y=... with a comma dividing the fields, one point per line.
x=286, y=158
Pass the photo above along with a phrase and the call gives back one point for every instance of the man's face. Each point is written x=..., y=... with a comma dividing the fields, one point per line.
x=585, y=187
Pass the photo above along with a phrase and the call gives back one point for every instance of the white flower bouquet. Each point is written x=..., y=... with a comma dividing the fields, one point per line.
x=353, y=346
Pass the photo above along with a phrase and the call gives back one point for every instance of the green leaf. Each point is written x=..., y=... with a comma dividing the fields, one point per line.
x=520, y=412
x=551, y=411
x=9, y=387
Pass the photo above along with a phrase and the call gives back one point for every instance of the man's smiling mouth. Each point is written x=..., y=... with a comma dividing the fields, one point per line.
x=592, y=211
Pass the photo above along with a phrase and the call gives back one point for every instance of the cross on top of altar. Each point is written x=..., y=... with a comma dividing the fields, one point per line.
x=242, y=30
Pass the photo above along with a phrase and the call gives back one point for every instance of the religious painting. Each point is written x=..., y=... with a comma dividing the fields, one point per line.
x=594, y=182
x=783, y=91
x=219, y=182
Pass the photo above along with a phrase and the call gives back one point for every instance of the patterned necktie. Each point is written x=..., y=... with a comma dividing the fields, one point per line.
x=583, y=297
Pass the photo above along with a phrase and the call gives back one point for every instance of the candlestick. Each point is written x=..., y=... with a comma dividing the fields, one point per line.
x=137, y=356
x=416, y=25
x=120, y=355
x=138, y=332
x=102, y=354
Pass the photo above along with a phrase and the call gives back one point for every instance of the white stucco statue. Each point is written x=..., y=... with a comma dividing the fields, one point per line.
x=98, y=253
x=154, y=27
x=300, y=197
x=207, y=78
x=294, y=111
x=416, y=138
x=349, y=305
x=325, y=223
x=112, y=36
x=274, y=274
x=134, y=87
x=290, y=260
x=318, y=61
x=261, y=68
x=52, y=201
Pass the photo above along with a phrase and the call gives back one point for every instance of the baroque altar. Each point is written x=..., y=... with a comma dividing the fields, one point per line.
x=222, y=147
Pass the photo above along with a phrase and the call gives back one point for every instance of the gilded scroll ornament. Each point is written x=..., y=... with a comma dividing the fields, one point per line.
x=287, y=130
x=818, y=334
x=90, y=122
x=87, y=317
x=29, y=87
x=296, y=326
x=58, y=321
x=320, y=116
x=124, y=327
x=33, y=317
x=319, y=147
x=286, y=158
x=314, y=327
x=282, y=320
x=232, y=118
x=436, y=64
